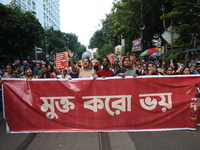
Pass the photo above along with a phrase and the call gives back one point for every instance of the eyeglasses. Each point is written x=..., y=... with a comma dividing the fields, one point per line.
x=29, y=71
x=8, y=68
x=197, y=66
x=169, y=70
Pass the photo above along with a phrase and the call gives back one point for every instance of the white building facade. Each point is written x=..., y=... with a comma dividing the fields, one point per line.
x=47, y=11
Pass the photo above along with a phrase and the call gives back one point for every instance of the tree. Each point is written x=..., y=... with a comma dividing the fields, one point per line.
x=54, y=43
x=74, y=45
x=186, y=22
x=58, y=41
x=19, y=32
x=123, y=22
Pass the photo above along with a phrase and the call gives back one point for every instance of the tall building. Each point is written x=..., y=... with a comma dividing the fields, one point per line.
x=47, y=11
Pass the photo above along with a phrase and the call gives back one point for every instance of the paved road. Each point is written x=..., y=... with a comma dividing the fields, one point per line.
x=159, y=140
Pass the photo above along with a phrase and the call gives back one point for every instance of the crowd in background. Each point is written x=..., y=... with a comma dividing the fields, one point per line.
x=45, y=70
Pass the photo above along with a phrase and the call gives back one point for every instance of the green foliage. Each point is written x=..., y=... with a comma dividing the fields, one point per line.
x=19, y=32
x=125, y=17
x=171, y=54
x=105, y=50
x=186, y=21
x=61, y=42
x=74, y=45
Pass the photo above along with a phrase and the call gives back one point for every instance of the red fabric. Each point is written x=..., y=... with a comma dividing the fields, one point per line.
x=51, y=76
x=105, y=73
x=111, y=58
x=151, y=51
x=101, y=105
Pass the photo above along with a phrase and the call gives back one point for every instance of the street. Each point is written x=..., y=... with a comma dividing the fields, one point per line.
x=149, y=140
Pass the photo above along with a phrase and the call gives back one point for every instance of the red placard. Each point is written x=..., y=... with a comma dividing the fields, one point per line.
x=120, y=59
x=124, y=104
x=133, y=59
x=111, y=58
x=61, y=61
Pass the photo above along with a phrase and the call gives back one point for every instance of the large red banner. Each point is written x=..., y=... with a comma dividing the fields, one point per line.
x=122, y=104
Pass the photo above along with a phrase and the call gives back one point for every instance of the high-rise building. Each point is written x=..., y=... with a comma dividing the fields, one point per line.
x=47, y=11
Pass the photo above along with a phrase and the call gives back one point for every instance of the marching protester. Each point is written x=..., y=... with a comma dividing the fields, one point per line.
x=51, y=70
x=174, y=66
x=186, y=71
x=2, y=70
x=126, y=69
x=29, y=73
x=105, y=71
x=115, y=65
x=17, y=70
x=10, y=72
x=197, y=70
x=86, y=71
x=144, y=69
x=152, y=69
x=73, y=73
x=38, y=69
x=134, y=65
x=169, y=70
x=45, y=73
x=192, y=68
x=139, y=67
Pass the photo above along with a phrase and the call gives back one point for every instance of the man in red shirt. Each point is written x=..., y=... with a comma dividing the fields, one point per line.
x=105, y=71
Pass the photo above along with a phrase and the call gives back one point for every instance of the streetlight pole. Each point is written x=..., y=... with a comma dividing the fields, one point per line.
x=47, y=44
x=141, y=25
x=55, y=51
x=162, y=8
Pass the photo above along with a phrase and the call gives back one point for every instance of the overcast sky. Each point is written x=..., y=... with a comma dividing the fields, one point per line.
x=82, y=17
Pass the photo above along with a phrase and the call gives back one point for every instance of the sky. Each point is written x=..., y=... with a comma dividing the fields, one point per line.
x=83, y=17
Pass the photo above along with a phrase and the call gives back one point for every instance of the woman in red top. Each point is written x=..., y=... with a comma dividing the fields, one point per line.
x=45, y=73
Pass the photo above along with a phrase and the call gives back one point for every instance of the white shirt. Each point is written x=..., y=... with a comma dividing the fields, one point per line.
x=66, y=77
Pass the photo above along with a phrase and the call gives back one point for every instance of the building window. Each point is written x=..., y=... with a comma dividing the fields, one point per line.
x=34, y=6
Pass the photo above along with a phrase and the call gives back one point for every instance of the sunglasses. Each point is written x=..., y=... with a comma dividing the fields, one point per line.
x=29, y=71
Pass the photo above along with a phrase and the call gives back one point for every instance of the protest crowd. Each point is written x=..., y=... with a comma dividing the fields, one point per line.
x=45, y=69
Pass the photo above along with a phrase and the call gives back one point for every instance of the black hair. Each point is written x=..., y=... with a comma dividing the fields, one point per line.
x=124, y=59
x=29, y=67
x=16, y=65
x=48, y=74
x=52, y=68
x=9, y=64
x=150, y=63
x=106, y=59
x=87, y=59
x=166, y=68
